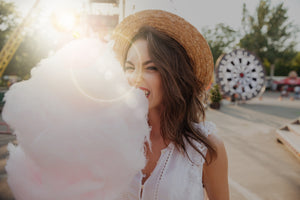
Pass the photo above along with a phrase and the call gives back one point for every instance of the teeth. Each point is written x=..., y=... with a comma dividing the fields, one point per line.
x=147, y=93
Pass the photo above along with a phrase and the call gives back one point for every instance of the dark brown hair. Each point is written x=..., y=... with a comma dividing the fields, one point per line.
x=182, y=92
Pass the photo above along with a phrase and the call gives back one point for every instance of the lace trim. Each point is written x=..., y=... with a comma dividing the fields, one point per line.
x=162, y=172
x=206, y=128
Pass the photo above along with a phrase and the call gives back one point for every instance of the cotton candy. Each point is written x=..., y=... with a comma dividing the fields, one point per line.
x=80, y=127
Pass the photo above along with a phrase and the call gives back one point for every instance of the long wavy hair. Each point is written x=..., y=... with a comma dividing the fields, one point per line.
x=183, y=95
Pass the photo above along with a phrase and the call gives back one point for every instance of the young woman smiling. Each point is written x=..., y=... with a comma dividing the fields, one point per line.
x=167, y=58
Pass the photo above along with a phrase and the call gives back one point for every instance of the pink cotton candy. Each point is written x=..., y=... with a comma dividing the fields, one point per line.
x=80, y=127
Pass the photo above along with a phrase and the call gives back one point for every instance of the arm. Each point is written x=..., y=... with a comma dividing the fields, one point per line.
x=215, y=175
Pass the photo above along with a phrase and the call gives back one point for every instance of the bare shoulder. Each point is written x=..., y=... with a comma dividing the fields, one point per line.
x=216, y=140
x=219, y=147
x=215, y=174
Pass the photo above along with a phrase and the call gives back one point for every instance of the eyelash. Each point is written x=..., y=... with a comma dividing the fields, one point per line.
x=152, y=68
x=128, y=68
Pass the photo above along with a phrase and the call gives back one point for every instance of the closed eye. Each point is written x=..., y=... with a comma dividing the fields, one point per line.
x=152, y=68
x=128, y=68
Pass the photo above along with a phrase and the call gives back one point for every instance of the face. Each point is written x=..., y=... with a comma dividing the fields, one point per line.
x=142, y=73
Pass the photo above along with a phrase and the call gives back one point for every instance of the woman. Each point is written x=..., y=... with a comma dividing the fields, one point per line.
x=170, y=61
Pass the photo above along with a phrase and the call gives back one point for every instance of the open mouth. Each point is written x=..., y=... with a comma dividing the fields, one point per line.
x=146, y=91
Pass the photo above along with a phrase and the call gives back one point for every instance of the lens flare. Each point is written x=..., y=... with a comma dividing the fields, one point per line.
x=64, y=20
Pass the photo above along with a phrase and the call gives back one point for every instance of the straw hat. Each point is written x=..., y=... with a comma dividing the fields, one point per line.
x=174, y=26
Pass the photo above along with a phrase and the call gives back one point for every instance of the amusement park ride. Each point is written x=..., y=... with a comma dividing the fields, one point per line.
x=15, y=40
x=240, y=74
x=104, y=22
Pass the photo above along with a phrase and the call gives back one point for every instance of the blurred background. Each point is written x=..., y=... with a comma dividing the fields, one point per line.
x=270, y=29
x=260, y=128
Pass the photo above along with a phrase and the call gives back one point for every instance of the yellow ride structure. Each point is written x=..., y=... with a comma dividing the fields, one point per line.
x=14, y=41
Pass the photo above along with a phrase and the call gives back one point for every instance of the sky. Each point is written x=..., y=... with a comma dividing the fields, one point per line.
x=200, y=13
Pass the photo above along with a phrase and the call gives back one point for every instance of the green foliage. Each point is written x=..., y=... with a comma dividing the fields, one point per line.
x=295, y=63
x=270, y=35
x=220, y=39
x=8, y=18
x=215, y=94
x=32, y=50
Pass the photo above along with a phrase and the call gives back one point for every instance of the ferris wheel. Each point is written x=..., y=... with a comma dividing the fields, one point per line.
x=240, y=73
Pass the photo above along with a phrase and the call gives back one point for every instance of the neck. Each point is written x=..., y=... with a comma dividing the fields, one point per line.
x=154, y=122
x=155, y=135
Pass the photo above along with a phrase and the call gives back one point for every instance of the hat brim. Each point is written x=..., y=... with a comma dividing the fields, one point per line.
x=175, y=27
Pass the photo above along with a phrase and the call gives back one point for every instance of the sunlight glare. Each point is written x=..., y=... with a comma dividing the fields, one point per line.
x=64, y=20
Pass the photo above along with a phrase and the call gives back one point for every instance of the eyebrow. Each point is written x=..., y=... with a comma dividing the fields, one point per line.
x=147, y=62
x=144, y=63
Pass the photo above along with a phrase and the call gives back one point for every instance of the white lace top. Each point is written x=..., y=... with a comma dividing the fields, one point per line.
x=175, y=177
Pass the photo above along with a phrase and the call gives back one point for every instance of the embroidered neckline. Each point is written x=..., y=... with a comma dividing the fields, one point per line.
x=171, y=147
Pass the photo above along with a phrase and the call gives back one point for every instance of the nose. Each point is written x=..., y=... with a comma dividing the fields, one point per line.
x=134, y=78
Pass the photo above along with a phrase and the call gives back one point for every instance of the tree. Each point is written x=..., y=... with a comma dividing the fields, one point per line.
x=269, y=35
x=215, y=97
x=8, y=18
x=34, y=47
x=220, y=39
x=295, y=63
